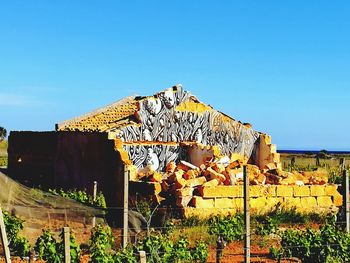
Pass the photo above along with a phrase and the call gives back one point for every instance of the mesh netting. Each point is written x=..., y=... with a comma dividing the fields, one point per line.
x=42, y=210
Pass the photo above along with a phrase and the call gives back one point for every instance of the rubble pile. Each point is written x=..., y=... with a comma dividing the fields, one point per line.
x=183, y=182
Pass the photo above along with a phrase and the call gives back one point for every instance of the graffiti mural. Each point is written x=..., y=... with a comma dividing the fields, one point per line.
x=161, y=122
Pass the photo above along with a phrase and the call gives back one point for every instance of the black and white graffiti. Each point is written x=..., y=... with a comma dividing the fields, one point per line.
x=161, y=122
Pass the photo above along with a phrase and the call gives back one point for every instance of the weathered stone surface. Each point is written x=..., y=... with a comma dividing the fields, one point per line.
x=257, y=203
x=301, y=190
x=271, y=202
x=196, y=181
x=284, y=190
x=225, y=203
x=270, y=190
x=200, y=202
x=337, y=199
x=291, y=202
x=187, y=191
x=331, y=190
x=256, y=190
x=317, y=190
x=214, y=182
x=206, y=213
x=222, y=191
x=180, y=183
x=183, y=201
x=308, y=203
x=324, y=201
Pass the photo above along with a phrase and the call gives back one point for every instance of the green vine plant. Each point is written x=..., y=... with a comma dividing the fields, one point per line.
x=18, y=245
x=52, y=250
x=81, y=196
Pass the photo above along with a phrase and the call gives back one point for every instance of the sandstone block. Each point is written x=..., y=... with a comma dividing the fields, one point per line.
x=331, y=190
x=301, y=190
x=256, y=190
x=191, y=174
x=290, y=202
x=271, y=202
x=239, y=203
x=284, y=190
x=200, y=202
x=180, y=183
x=337, y=199
x=156, y=177
x=222, y=191
x=215, y=175
x=317, y=190
x=187, y=191
x=183, y=201
x=324, y=201
x=259, y=202
x=196, y=181
x=225, y=203
x=270, y=190
x=308, y=202
x=214, y=182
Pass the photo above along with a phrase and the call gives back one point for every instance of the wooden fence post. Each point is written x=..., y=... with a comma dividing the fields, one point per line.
x=94, y=196
x=126, y=207
x=4, y=240
x=346, y=200
x=142, y=255
x=246, y=215
x=66, y=240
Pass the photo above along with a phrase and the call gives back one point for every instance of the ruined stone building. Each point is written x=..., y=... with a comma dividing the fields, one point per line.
x=170, y=142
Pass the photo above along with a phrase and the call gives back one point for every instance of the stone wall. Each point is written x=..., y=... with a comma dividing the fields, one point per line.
x=263, y=198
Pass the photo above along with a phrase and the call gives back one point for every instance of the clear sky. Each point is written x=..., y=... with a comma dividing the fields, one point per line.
x=283, y=66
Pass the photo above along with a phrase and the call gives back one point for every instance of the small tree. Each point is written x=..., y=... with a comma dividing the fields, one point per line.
x=3, y=133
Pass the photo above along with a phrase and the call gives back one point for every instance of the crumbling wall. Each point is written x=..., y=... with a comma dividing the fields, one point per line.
x=175, y=116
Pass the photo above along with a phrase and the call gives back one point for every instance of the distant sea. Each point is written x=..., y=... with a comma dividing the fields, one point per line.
x=314, y=152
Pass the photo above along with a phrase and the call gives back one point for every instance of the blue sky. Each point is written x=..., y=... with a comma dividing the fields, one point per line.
x=283, y=66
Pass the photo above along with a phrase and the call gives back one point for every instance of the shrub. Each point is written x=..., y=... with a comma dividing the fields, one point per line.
x=101, y=244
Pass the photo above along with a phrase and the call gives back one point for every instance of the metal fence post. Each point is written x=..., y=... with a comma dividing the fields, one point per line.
x=66, y=240
x=246, y=216
x=126, y=207
x=346, y=200
x=4, y=240
x=94, y=197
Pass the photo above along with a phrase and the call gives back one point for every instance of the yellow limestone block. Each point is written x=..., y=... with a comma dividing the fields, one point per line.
x=271, y=202
x=273, y=148
x=256, y=190
x=270, y=190
x=191, y=174
x=200, y=202
x=276, y=157
x=324, y=201
x=214, y=182
x=267, y=138
x=183, y=201
x=303, y=190
x=337, y=199
x=290, y=202
x=239, y=203
x=259, y=202
x=317, y=190
x=308, y=202
x=156, y=177
x=331, y=189
x=196, y=181
x=187, y=191
x=225, y=203
x=222, y=191
x=284, y=190
x=170, y=168
x=180, y=183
